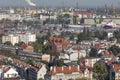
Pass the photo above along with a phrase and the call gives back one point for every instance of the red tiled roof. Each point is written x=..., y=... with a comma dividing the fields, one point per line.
x=116, y=67
x=65, y=70
x=2, y=57
x=106, y=54
x=59, y=41
x=23, y=46
x=6, y=69
x=56, y=39
x=36, y=66
x=0, y=66
x=82, y=59
x=20, y=63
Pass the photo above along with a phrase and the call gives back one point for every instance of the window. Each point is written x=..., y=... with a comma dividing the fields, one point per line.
x=7, y=75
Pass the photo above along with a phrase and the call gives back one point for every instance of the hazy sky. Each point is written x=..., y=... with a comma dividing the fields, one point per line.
x=83, y=3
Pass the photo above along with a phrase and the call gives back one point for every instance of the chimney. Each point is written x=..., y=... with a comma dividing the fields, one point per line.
x=69, y=67
x=54, y=69
x=78, y=68
x=62, y=68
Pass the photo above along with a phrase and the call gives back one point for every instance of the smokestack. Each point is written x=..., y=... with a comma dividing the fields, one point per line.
x=62, y=68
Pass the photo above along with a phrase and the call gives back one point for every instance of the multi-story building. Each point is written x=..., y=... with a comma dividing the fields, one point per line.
x=27, y=37
x=34, y=72
x=77, y=51
x=12, y=38
x=37, y=72
x=10, y=16
x=20, y=37
x=47, y=16
x=69, y=72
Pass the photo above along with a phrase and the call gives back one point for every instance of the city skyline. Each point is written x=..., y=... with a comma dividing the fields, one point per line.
x=60, y=3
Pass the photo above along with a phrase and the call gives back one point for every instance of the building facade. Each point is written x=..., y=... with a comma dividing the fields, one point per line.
x=27, y=37
x=12, y=38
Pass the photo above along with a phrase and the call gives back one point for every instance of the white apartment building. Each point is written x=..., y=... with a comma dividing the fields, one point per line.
x=12, y=38
x=27, y=37
x=10, y=16
x=20, y=37
x=44, y=17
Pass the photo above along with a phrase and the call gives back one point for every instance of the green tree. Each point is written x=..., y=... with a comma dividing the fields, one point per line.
x=63, y=19
x=93, y=52
x=114, y=49
x=41, y=79
x=53, y=53
x=116, y=34
x=19, y=44
x=8, y=43
x=8, y=53
x=85, y=35
x=83, y=78
x=29, y=61
x=100, y=71
x=47, y=47
x=100, y=34
x=71, y=37
x=37, y=47
x=60, y=62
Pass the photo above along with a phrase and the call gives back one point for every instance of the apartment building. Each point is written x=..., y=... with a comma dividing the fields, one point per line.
x=27, y=37
x=69, y=72
x=12, y=38
x=19, y=37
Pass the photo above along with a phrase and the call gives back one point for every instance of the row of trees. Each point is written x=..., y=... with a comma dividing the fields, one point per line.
x=89, y=35
x=85, y=35
x=100, y=71
x=114, y=49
